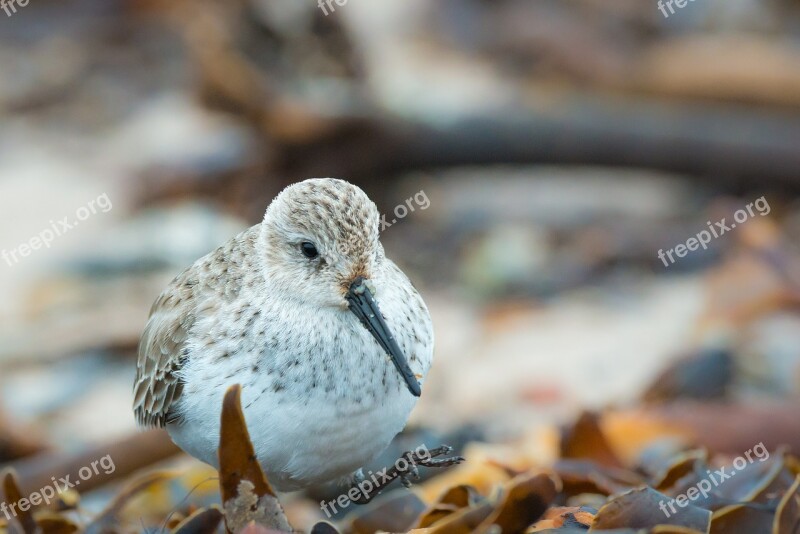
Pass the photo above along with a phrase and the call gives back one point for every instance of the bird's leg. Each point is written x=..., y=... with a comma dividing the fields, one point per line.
x=404, y=468
x=405, y=478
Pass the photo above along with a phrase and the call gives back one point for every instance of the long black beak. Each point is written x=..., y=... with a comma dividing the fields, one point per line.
x=363, y=305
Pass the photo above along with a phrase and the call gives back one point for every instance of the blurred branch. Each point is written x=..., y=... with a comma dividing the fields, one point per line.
x=129, y=454
x=728, y=145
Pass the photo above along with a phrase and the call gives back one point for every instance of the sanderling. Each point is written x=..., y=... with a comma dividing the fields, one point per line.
x=328, y=338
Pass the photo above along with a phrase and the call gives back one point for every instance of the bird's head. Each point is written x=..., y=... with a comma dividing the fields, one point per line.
x=320, y=242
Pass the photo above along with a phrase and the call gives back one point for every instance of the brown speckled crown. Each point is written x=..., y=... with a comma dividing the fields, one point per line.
x=339, y=213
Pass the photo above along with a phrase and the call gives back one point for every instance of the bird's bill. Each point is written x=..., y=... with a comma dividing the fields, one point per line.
x=363, y=305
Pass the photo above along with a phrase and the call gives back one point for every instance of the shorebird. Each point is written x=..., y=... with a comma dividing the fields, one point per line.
x=328, y=338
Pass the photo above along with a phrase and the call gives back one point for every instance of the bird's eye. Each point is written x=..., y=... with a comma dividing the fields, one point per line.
x=309, y=250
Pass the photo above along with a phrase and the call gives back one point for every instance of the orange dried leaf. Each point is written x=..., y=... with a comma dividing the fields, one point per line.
x=464, y=521
x=586, y=440
x=14, y=495
x=452, y=500
x=525, y=500
x=246, y=493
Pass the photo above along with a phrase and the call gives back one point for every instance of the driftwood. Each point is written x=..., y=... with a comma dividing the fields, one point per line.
x=728, y=147
x=129, y=454
x=731, y=146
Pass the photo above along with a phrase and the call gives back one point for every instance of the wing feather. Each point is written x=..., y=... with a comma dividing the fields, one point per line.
x=160, y=352
x=197, y=292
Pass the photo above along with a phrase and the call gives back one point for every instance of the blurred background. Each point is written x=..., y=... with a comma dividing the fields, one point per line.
x=546, y=152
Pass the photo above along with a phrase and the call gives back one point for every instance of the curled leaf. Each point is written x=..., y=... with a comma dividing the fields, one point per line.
x=586, y=440
x=526, y=499
x=646, y=508
x=787, y=517
x=246, y=493
x=14, y=495
x=452, y=500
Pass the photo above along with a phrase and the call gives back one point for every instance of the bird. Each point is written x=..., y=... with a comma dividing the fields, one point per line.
x=328, y=338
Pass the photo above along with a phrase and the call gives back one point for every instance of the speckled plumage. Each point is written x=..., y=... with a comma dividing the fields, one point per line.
x=320, y=396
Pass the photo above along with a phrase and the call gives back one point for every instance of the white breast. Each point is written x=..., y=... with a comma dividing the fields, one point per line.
x=318, y=407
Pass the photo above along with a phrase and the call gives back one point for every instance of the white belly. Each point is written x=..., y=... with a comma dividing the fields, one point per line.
x=300, y=441
x=320, y=399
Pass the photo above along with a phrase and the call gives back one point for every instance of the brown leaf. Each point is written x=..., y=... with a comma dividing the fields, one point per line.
x=246, y=493
x=693, y=485
x=703, y=375
x=237, y=458
x=464, y=521
x=452, y=500
x=56, y=524
x=436, y=514
x=585, y=440
x=525, y=500
x=787, y=517
x=567, y=516
x=203, y=521
x=584, y=476
x=461, y=496
x=14, y=495
x=741, y=519
x=761, y=481
x=682, y=465
x=644, y=508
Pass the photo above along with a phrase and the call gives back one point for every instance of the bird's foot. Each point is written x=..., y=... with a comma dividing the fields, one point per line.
x=405, y=478
x=405, y=468
x=433, y=461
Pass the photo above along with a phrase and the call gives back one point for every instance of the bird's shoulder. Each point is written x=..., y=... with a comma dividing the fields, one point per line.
x=199, y=291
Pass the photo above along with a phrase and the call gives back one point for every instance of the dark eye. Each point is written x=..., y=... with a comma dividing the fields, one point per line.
x=309, y=250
